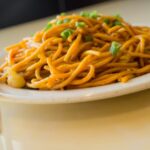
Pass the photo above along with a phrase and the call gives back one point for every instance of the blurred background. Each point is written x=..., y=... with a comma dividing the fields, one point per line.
x=14, y=12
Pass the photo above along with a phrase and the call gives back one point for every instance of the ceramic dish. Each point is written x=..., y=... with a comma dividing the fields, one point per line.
x=75, y=95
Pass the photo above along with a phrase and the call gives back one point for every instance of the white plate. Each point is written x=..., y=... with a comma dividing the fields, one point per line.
x=75, y=95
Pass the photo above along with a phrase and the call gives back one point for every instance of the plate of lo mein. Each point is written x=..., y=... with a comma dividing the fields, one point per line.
x=76, y=58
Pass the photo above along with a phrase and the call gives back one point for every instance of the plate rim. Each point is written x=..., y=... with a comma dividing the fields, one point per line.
x=10, y=94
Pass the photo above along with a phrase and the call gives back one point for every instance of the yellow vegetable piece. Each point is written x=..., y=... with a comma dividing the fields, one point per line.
x=15, y=79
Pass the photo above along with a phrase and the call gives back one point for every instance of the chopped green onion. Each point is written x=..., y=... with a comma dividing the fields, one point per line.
x=115, y=47
x=117, y=23
x=84, y=14
x=88, y=38
x=58, y=22
x=118, y=16
x=107, y=21
x=66, y=20
x=93, y=15
x=66, y=33
x=80, y=24
x=62, y=14
x=48, y=26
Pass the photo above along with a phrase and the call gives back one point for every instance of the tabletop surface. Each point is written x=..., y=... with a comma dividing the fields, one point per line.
x=121, y=123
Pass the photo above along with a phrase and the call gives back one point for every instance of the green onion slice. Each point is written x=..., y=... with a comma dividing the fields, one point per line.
x=80, y=24
x=58, y=22
x=62, y=14
x=48, y=26
x=117, y=23
x=106, y=20
x=84, y=14
x=66, y=33
x=93, y=15
x=114, y=48
x=118, y=16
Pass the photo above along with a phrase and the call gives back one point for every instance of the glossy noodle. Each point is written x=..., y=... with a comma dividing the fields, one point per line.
x=78, y=51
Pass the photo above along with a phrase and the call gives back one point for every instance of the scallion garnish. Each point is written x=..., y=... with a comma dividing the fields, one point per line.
x=93, y=15
x=80, y=24
x=117, y=20
x=62, y=14
x=118, y=16
x=106, y=20
x=48, y=26
x=84, y=14
x=58, y=22
x=117, y=23
x=66, y=33
x=114, y=48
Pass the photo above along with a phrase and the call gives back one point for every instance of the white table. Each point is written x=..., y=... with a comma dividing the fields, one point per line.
x=121, y=123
